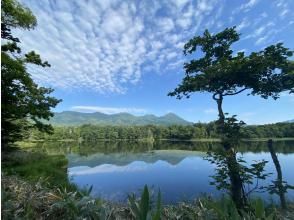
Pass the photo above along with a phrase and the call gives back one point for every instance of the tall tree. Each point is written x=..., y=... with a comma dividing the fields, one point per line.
x=24, y=103
x=266, y=73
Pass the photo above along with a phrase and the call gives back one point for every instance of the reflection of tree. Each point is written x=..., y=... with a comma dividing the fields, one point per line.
x=279, y=186
x=90, y=147
x=233, y=174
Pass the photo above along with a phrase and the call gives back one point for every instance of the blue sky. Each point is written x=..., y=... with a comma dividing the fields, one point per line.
x=125, y=56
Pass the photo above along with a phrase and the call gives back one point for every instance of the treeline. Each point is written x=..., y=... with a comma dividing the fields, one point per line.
x=151, y=132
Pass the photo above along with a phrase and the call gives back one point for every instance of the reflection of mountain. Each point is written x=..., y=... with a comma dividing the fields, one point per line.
x=120, y=159
x=135, y=166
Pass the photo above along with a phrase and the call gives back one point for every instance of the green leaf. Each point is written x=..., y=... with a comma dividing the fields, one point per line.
x=144, y=203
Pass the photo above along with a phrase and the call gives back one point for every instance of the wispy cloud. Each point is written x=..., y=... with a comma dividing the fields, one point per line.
x=108, y=110
x=244, y=23
x=249, y=4
x=246, y=6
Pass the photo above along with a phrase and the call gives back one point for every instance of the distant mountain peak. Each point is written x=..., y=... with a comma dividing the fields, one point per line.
x=170, y=114
x=72, y=118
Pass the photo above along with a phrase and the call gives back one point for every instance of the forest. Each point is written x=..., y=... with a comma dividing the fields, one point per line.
x=90, y=132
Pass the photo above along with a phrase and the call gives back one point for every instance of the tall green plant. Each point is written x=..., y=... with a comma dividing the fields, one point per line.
x=142, y=209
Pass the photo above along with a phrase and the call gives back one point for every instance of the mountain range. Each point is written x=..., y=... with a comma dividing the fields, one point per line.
x=73, y=118
x=290, y=121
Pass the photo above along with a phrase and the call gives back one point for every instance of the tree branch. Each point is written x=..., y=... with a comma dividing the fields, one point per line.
x=214, y=96
x=235, y=93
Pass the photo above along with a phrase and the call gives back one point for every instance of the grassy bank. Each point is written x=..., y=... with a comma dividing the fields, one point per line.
x=33, y=166
x=23, y=200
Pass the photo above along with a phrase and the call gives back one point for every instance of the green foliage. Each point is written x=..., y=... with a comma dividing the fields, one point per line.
x=92, y=133
x=230, y=131
x=219, y=71
x=23, y=200
x=225, y=209
x=73, y=205
x=33, y=166
x=26, y=104
x=142, y=210
x=15, y=15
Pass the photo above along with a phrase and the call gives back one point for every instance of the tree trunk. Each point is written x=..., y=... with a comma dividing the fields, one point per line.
x=237, y=189
x=220, y=109
x=279, y=183
x=219, y=101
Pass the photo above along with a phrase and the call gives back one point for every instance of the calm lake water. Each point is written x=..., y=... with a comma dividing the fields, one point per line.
x=178, y=169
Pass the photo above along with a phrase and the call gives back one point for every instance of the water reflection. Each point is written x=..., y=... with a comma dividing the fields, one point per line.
x=185, y=180
x=108, y=147
x=116, y=169
x=279, y=186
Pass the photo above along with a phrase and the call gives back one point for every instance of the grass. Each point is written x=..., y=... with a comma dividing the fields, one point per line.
x=23, y=200
x=33, y=166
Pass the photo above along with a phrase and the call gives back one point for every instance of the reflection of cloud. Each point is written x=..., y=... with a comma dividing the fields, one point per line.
x=108, y=168
x=135, y=166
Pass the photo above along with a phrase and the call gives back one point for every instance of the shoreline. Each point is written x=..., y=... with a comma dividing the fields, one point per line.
x=217, y=140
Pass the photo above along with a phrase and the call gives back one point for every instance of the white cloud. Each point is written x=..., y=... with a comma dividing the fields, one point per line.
x=284, y=13
x=165, y=24
x=249, y=5
x=104, y=45
x=260, y=40
x=108, y=110
x=244, y=23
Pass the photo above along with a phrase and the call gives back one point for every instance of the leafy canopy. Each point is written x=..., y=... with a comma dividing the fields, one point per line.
x=265, y=73
x=24, y=103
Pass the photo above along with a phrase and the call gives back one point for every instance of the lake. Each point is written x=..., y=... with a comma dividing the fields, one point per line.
x=179, y=169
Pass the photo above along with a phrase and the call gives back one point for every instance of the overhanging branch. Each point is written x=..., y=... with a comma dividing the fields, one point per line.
x=235, y=93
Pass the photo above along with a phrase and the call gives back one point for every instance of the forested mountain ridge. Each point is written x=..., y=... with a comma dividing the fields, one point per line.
x=72, y=118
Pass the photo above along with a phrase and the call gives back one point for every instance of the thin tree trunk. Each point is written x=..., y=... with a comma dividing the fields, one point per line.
x=279, y=183
x=221, y=114
x=219, y=101
x=237, y=190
